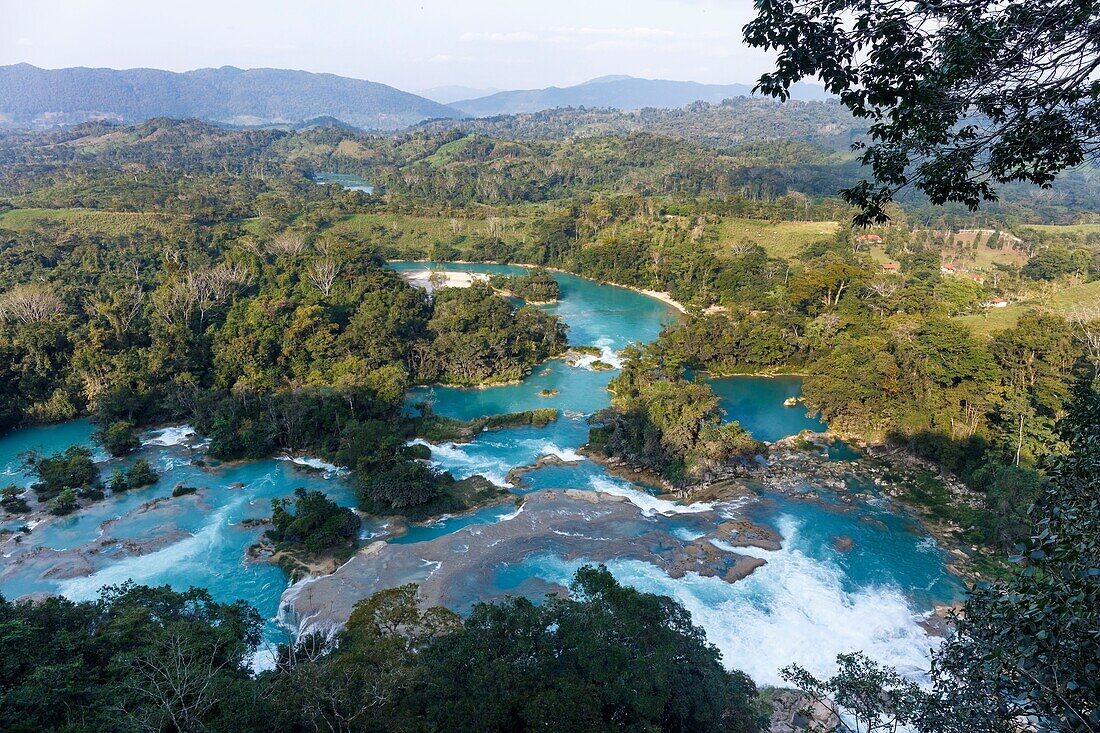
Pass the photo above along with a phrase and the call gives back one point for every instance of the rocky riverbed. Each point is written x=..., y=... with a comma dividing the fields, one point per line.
x=456, y=569
x=796, y=468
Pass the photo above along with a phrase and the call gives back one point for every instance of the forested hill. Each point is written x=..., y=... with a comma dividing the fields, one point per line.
x=616, y=92
x=34, y=96
x=726, y=124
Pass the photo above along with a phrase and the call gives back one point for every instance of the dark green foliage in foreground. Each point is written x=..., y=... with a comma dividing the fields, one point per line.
x=135, y=659
x=608, y=659
x=317, y=523
x=1022, y=647
x=956, y=95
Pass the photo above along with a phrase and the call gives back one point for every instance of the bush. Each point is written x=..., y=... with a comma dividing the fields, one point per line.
x=141, y=474
x=72, y=469
x=406, y=484
x=119, y=438
x=138, y=475
x=317, y=523
x=11, y=500
x=64, y=503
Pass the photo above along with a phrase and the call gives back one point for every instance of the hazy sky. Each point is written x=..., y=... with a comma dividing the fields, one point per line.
x=411, y=45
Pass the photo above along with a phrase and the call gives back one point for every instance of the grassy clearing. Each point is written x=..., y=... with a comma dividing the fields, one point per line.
x=986, y=258
x=448, y=152
x=1069, y=230
x=994, y=319
x=412, y=236
x=1064, y=301
x=983, y=259
x=779, y=238
x=1085, y=295
x=84, y=220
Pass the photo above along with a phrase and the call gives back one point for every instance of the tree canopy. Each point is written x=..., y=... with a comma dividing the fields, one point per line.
x=960, y=95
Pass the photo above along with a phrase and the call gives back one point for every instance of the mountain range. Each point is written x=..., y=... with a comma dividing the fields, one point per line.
x=34, y=97
x=618, y=92
x=454, y=92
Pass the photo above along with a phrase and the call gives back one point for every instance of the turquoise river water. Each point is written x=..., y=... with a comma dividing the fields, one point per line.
x=808, y=603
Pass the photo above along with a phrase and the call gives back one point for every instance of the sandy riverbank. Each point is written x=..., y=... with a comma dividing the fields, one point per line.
x=422, y=279
x=429, y=280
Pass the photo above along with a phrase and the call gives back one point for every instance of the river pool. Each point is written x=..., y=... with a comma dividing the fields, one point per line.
x=808, y=603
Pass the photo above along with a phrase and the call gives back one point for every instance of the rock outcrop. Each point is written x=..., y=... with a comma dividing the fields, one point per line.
x=795, y=712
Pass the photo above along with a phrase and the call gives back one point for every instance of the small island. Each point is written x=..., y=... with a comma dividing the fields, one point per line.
x=536, y=288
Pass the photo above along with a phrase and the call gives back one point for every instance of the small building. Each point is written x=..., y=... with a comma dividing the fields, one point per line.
x=949, y=269
x=980, y=279
x=890, y=267
x=998, y=303
x=868, y=239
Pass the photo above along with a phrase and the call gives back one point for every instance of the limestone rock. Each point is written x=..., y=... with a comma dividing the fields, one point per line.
x=795, y=711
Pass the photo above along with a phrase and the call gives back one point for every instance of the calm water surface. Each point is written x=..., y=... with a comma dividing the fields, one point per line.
x=346, y=180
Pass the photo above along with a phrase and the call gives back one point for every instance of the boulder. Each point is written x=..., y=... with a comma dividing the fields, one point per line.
x=794, y=711
x=843, y=543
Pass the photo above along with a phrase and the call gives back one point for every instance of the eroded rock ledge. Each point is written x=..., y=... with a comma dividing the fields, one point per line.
x=460, y=568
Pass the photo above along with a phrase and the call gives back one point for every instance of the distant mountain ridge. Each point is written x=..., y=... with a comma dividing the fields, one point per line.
x=618, y=92
x=30, y=96
x=450, y=92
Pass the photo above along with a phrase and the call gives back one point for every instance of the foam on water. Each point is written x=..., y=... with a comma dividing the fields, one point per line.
x=462, y=463
x=194, y=551
x=565, y=454
x=511, y=515
x=757, y=552
x=794, y=610
x=314, y=463
x=649, y=504
x=175, y=435
x=301, y=625
x=607, y=356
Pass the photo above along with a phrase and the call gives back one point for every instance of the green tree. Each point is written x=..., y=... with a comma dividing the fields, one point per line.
x=317, y=522
x=608, y=658
x=119, y=438
x=72, y=470
x=405, y=484
x=136, y=658
x=960, y=96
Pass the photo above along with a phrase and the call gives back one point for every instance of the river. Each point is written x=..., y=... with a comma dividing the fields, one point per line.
x=809, y=601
